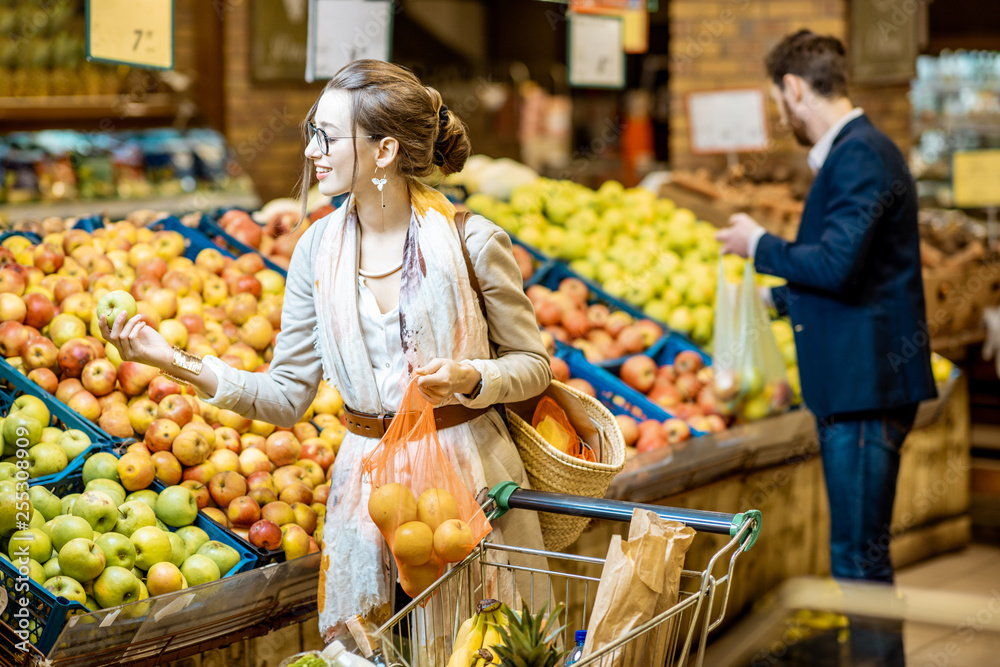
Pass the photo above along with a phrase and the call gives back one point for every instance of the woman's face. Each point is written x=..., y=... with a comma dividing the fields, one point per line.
x=334, y=170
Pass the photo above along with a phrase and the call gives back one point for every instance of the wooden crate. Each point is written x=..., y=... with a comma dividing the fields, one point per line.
x=948, y=306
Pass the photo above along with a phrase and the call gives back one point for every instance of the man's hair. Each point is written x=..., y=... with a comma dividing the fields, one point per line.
x=820, y=60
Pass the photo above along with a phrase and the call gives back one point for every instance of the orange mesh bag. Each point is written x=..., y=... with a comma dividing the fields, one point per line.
x=552, y=423
x=418, y=501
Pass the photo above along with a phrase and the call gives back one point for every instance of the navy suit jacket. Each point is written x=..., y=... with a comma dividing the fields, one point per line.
x=854, y=293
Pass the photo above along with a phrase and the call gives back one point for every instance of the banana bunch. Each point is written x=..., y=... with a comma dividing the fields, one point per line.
x=478, y=635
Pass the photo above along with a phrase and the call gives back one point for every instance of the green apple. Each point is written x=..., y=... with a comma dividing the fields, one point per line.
x=33, y=407
x=68, y=501
x=74, y=442
x=34, y=568
x=69, y=527
x=91, y=603
x=113, y=303
x=224, y=555
x=45, y=502
x=9, y=498
x=66, y=587
x=51, y=568
x=116, y=586
x=108, y=486
x=176, y=506
x=151, y=546
x=32, y=543
x=162, y=526
x=143, y=591
x=46, y=458
x=681, y=320
x=81, y=559
x=199, y=569
x=193, y=537
x=118, y=550
x=147, y=496
x=134, y=515
x=98, y=508
x=21, y=431
x=7, y=470
x=37, y=520
x=51, y=434
x=178, y=551
x=102, y=465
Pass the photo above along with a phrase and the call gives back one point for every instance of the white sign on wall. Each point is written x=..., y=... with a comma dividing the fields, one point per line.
x=596, y=51
x=727, y=121
x=341, y=31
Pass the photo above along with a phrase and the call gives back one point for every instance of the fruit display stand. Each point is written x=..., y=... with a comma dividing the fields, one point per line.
x=773, y=465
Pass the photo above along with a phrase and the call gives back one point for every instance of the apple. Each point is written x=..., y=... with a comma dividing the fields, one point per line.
x=118, y=550
x=265, y=534
x=134, y=378
x=294, y=541
x=161, y=434
x=225, y=460
x=39, y=309
x=99, y=510
x=254, y=460
x=688, y=361
x=238, y=423
x=305, y=516
x=13, y=336
x=65, y=527
x=175, y=333
x=11, y=280
x=46, y=503
x=200, y=492
x=190, y=447
x=33, y=543
x=296, y=492
x=45, y=379
x=114, y=420
x=46, y=458
x=66, y=587
x=81, y=559
x=176, y=506
x=314, y=472
x=151, y=546
x=639, y=372
x=216, y=515
x=98, y=377
x=676, y=431
x=39, y=352
x=243, y=511
x=136, y=471
x=178, y=551
x=226, y=487
x=321, y=493
x=12, y=308
x=629, y=428
x=254, y=441
x=67, y=504
x=582, y=386
x=288, y=475
x=141, y=415
x=178, y=282
x=318, y=450
x=79, y=305
x=21, y=430
x=116, y=586
x=193, y=537
x=224, y=556
x=165, y=578
x=73, y=356
x=200, y=569
x=133, y=515
x=262, y=495
x=112, y=488
x=283, y=448
x=84, y=403
x=65, y=327
x=176, y=408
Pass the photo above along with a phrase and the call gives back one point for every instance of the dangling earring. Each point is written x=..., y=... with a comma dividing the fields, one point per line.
x=380, y=184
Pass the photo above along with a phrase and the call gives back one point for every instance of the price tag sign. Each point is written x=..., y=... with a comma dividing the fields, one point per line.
x=596, y=54
x=975, y=178
x=342, y=31
x=727, y=121
x=139, y=33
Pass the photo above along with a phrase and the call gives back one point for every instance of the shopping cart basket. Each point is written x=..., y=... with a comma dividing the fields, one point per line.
x=422, y=634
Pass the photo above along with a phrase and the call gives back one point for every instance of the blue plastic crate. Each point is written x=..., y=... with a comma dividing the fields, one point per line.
x=42, y=617
x=557, y=272
x=612, y=392
x=225, y=241
x=18, y=384
x=31, y=236
x=49, y=612
x=194, y=240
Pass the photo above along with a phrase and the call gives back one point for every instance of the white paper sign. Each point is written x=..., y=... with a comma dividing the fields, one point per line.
x=727, y=121
x=596, y=51
x=342, y=31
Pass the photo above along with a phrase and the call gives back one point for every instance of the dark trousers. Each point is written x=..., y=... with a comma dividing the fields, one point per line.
x=860, y=463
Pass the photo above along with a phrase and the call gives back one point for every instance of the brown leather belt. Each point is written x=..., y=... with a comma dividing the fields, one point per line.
x=375, y=426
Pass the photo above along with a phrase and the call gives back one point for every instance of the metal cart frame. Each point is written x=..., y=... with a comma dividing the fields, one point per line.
x=422, y=633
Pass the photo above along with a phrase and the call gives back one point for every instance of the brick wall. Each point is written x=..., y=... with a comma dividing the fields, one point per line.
x=262, y=119
x=718, y=44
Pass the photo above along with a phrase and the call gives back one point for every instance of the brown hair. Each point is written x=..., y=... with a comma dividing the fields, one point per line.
x=820, y=60
x=388, y=100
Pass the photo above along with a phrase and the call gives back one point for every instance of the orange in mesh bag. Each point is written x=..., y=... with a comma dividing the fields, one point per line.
x=418, y=501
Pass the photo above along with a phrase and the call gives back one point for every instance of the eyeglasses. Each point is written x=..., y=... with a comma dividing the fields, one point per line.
x=323, y=140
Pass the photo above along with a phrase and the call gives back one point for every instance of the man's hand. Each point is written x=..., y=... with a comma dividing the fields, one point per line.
x=441, y=378
x=736, y=238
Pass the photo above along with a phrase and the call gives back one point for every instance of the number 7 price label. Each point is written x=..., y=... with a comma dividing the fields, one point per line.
x=131, y=32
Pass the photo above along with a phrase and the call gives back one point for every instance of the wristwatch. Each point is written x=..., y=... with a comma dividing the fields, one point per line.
x=185, y=361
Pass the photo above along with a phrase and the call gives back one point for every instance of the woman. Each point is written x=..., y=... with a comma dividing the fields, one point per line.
x=379, y=291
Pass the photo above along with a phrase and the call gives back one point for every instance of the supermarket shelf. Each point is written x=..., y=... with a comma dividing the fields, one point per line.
x=60, y=107
x=122, y=207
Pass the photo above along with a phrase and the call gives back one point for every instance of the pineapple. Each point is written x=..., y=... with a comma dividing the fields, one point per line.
x=528, y=639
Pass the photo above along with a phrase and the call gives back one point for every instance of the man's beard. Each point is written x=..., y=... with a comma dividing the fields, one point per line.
x=798, y=127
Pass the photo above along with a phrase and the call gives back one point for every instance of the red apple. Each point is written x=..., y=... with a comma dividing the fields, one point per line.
x=226, y=486
x=630, y=429
x=39, y=352
x=639, y=372
x=582, y=386
x=190, y=447
x=296, y=492
x=168, y=468
x=265, y=534
x=688, y=361
x=40, y=310
x=85, y=404
x=243, y=511
x=12, y=280
x=676, y=431
x=134, y=378
x=560, y=369
x=688, y=386
x=13, y=336
x=228, y=438
x=200, y=491
x=99, y=376
x=160, y=387
x=283, y=448
x=176, y=408
x=45, y=379
x=159, y=437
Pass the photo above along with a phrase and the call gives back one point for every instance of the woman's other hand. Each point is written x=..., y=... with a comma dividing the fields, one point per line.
x=440, y=378
x=137, y=341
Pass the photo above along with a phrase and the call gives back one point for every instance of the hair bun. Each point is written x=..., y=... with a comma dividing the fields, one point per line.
x=452, y=147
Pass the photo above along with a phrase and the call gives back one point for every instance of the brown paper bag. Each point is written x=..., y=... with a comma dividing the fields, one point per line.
x=641, y=578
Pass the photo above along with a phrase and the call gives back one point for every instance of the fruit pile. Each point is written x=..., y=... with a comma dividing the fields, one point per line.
x=275, y=240
x=49, y=448
x=594, y=329
x=427, y=532
x=115, y=541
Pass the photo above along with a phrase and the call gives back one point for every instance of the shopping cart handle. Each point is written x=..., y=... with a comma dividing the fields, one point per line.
x=508, y=496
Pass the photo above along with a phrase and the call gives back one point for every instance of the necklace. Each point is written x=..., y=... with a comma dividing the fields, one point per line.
x=376, y=276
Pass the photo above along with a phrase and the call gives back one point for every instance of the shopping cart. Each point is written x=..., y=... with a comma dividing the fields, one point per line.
x=421, y=634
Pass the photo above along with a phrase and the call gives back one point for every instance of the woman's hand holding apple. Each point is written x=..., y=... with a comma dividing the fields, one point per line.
x=137, y=341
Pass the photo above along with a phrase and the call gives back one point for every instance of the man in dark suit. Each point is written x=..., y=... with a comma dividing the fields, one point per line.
x=854, y=293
